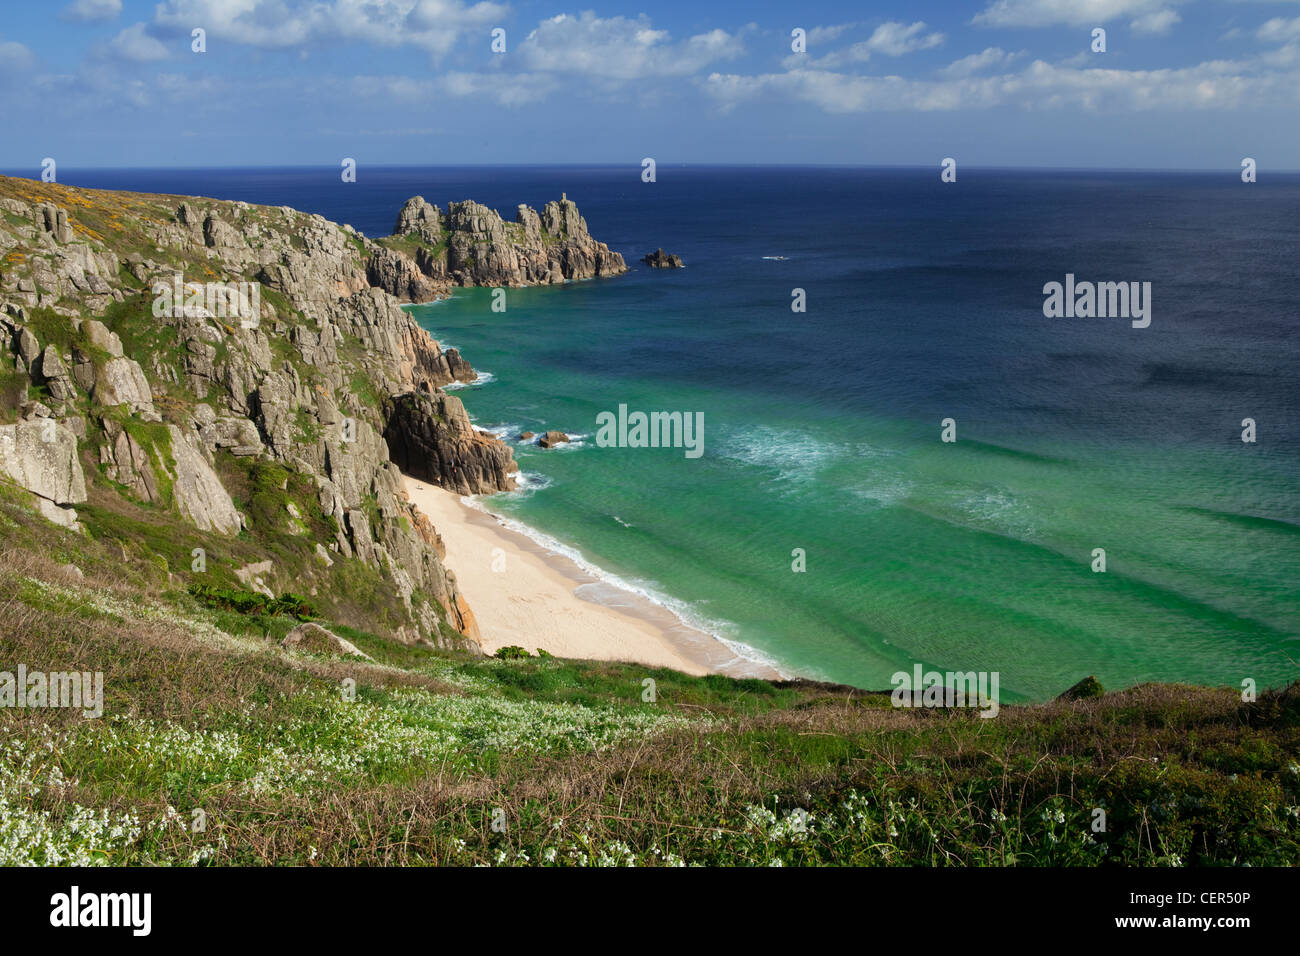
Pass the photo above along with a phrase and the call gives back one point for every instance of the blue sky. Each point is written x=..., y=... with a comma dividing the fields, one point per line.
x=1184, y=84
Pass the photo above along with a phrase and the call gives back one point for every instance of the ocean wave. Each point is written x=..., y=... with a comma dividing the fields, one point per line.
x=997, y=510
x=883, y=490
x=484, y=378
x=527, y=482
x=796, y=455
x=499, y=431
x=687, y=614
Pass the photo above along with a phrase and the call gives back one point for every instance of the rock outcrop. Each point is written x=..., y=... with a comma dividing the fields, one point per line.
x=552, y=438
x=430, y=437
x=662, y=260
x=472, y=246
x=200, y=496
x=40, y=455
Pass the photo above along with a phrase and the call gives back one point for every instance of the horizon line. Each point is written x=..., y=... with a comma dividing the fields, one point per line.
x=10, y=171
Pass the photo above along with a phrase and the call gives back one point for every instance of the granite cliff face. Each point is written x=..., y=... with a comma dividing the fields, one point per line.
x=127, y=383
x=470, y=245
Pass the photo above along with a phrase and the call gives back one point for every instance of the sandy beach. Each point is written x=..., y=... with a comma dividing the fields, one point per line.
x=523, y=594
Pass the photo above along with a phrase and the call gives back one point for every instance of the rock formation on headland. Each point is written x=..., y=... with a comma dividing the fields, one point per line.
x=470, y=244
x=283, y=427
x=662, y=260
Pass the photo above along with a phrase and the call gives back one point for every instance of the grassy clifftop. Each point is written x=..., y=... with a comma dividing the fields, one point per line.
x=218, y=745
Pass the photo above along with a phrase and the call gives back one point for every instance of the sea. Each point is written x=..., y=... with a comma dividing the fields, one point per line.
x=1097, y=511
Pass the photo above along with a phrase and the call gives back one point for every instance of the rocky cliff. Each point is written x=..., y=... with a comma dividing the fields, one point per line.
x=246, y=373
x=470, y=245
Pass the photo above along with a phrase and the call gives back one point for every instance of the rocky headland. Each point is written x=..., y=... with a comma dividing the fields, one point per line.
x=281, y=434
x=431, y=251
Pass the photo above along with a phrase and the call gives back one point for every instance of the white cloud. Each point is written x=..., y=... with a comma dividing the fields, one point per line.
x=618, y=48
x=889, y=39
x=1279, y=29
x=15, y=56
x=894, y=39
x=976, y=62
x=511, y=90
x=89, y=10
x=827, y=34
x=1041, y=85
x=136, y=45
x=1156, y=22
x=1075, y=13
x=432, y=25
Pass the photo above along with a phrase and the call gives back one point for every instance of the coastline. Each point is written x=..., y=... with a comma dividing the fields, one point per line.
x=539, y=599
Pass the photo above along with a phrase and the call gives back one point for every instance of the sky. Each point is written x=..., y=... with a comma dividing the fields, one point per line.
x=1181, y=84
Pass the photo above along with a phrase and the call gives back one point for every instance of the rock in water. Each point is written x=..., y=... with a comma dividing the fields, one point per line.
x=662, y=260
x=551, y=439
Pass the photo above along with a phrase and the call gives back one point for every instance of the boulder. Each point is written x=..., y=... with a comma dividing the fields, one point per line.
x=27, y=346
x=121, y=381
x=318, y=640
x=41, y=456
x=98, y=334
x=552, y=438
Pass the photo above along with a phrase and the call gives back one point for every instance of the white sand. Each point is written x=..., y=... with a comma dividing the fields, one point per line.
x=531, y=599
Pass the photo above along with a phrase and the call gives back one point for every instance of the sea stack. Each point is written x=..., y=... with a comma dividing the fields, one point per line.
x=662, y=260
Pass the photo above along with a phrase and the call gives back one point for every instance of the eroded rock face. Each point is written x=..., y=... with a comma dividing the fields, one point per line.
x=430, y=437
x=200, y=496
x=40, y=455
x=402, y=277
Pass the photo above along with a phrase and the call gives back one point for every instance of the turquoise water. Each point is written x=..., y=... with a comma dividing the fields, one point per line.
x=822, y=430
